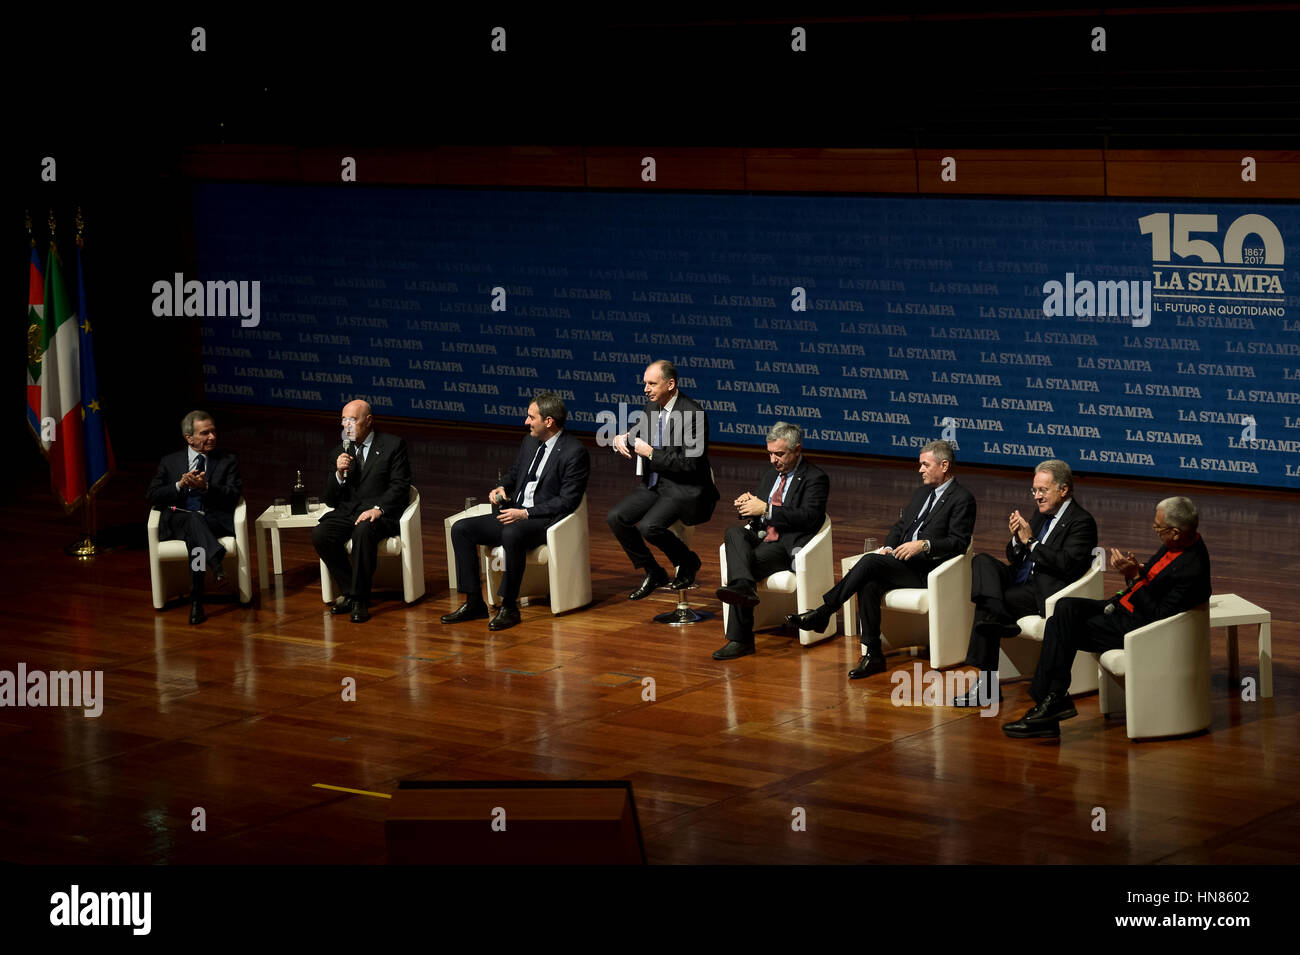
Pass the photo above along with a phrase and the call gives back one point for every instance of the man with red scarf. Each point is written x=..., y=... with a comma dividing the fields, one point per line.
x=1177, y=578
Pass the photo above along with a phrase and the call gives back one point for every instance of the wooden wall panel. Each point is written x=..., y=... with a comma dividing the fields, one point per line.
x=414, y=167
x=675, y=168
x=830, y=170
x=1202, y=174
x=539, y=166
x=1013, y=172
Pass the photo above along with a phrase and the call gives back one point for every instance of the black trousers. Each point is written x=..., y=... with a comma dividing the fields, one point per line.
x=1077, y=623
x=331, y=536
x=997, y=597
x=515, y=539
x=196, y=529
x=870, y=579
x=749, y=558
x=645, y=515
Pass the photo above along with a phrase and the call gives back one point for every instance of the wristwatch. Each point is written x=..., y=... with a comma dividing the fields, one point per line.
x=925, y=545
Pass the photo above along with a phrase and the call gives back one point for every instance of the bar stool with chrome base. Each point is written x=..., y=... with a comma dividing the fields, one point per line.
x=684, y=613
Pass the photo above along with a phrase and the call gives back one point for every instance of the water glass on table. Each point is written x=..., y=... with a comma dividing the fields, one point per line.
x=869, y=546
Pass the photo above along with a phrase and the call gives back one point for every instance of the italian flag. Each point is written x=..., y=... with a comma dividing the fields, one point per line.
x=56, y=369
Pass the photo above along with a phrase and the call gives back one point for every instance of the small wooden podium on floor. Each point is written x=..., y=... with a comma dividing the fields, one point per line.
x=497, y=822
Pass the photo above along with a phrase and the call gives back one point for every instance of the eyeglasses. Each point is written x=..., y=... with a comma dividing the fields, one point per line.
x=1161, y=528
x=1037, y=492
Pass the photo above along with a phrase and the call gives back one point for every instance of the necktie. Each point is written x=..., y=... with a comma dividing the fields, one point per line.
x=658, y=442
x=194, y=499
x=1027, y=565
x=920, y=518
x=360, y=457
x=532, y=473
x=772, y=533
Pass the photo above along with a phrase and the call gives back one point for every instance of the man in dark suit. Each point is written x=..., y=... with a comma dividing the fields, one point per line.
x=1177, y=578
x=1047, y=552
x=197, y=491
x=546, y=484
x=783, y=515
x=936, y=525
x=368, y=487
x=671, y=443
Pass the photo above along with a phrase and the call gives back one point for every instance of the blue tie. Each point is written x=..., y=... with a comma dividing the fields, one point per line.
x=194, y=499
x=1027, y=565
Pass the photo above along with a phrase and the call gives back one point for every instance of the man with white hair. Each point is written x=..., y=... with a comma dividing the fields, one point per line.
x=368, y=486
x=1175, y=579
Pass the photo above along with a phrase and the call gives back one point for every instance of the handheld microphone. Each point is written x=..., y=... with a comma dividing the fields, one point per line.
x=349, y=447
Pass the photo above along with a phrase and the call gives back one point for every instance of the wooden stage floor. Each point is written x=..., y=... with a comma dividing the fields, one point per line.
x=243, y=715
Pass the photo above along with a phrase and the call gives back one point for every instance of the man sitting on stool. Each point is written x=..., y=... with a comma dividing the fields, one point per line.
x=1047, y=552
x=935, y=526
x=672, y=444
x=197, y=491
x=787, y=510
x=1177, y=578
x=546, y=484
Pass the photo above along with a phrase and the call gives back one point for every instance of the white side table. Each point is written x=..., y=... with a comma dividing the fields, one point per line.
x=273, y=520
x=1231, y=611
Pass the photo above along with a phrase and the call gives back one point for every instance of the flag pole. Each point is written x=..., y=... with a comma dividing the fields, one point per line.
x=85, y=548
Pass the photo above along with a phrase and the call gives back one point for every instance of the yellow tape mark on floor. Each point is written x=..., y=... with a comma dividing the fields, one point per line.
x=345, y=789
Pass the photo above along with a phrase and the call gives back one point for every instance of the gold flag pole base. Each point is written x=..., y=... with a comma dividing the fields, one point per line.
x=84, y=549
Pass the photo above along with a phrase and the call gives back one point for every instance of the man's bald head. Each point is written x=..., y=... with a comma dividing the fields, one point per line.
x=357, y=414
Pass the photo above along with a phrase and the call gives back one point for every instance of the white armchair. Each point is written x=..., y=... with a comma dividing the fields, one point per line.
x=169, y=561
x=1160, y=681
x=561, y=567
x=794, y=590
x=944, y=602
x=400, y=563
x=1019, y=655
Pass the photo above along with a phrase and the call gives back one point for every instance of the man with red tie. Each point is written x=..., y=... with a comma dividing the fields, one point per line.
x=788, y=508
x=1177, y=578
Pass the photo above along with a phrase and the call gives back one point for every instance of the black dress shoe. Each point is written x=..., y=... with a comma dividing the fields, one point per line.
x=1043, y=719
x=653, y=581
x=997, y=629
x=741, y=595
x=980, y=694
x=360, y=612
x=341, y=606
x=870, y=664
x=1022, y=730
x=472, y=609
x=686, y=573
x=196, y=613
x=733, y=650
x=506, y=618
x=818, y=619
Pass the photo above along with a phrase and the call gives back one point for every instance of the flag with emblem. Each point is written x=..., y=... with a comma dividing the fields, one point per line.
x=58, y=375
x=35, y=318
x=99, y=450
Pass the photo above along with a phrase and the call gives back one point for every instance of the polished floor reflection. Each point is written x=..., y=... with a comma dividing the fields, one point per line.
x=242, y=717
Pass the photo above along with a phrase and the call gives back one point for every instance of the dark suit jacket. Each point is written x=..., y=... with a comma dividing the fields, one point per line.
x=564, y=478
x=803, y=505
x=1181, y=586
x=686, y=479
x=1061, y=559
x=385, y=482
x=220, y=499
x=948, y=527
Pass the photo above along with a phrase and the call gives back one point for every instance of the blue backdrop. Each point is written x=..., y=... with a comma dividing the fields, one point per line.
x=918, y=318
